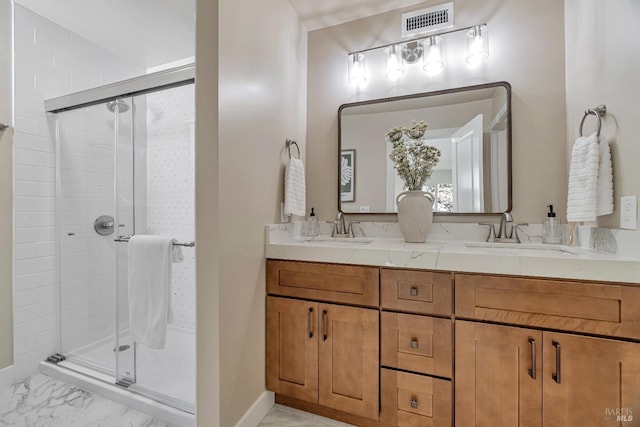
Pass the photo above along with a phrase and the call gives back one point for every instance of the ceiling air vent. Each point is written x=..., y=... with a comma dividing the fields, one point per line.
x=425, y=20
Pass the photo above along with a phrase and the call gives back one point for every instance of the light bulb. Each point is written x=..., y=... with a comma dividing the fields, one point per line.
x=395, y=63
x=433, y=62
x=477, y=45
x=357, y=69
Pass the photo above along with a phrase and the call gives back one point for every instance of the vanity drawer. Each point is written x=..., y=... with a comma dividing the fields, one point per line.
x=414, y=400
x=423, y=292
x=325, y=282
x=416, y=343
x=597, y=308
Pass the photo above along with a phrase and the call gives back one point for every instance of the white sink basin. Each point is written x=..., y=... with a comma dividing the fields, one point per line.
x=522, y=248
x=336, y=241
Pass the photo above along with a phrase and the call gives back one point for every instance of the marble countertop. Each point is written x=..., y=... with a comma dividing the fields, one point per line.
x=449, y=252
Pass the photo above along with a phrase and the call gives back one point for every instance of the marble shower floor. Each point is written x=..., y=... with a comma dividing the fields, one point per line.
x=42, y=401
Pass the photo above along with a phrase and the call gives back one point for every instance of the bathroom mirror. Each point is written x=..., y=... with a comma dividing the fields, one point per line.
x=471, y=126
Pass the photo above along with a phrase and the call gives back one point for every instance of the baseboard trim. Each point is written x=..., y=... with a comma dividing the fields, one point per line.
x=7, y=377
x=258, y=410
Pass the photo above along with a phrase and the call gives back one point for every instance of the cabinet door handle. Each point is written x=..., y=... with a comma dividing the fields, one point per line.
x=532, y=371
x=414, y=403
x=414, y=343
x=556, y=376
x=324, y=325
x=309, y=322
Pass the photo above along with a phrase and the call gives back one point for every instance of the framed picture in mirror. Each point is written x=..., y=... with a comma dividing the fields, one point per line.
x=348, y=175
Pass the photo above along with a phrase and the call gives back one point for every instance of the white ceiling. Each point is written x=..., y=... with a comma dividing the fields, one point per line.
x=154, y=32
x=146, y=32
x=317, y=14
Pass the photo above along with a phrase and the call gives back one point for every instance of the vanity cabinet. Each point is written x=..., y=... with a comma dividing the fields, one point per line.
x=508, y=376
x=416, y=348
x=321, y=352
x=374, y=347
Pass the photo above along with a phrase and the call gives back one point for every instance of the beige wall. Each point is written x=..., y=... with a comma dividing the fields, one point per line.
x=6, y=186
x=527, y=50
x=262, y=98
x=603, y=59
x=207, y=217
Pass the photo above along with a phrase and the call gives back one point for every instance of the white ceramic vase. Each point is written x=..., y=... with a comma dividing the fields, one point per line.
x=415, y=215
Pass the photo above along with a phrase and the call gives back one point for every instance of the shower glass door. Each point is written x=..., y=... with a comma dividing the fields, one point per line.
x=126, y=167
x=164, y=185
x=90, y=303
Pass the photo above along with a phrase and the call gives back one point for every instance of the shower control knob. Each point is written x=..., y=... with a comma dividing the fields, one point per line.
x=104, y=225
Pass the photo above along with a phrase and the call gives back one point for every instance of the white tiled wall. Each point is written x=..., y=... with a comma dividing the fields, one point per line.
x=49, y=61
x=171, y=187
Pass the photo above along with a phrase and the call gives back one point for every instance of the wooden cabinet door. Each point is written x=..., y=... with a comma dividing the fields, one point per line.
x=494, y=370
x=292, y=348
x=349, y=359
x=590, y=381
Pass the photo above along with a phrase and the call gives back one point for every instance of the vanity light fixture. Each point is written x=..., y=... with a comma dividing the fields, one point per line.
x=477, y=44
x=357, y=68
x=428, y=48
x=433, y=62
x=395, y=62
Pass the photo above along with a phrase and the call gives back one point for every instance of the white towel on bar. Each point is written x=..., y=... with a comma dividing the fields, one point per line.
x=605, y=181
x=583, y=180
x=294, y=188
x=150, y=264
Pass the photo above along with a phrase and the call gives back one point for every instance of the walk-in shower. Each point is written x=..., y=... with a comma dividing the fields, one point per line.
x=125, y=166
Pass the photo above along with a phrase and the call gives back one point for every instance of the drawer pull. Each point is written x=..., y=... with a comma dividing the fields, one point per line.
x=414, y=343
x=324, y=325
x=532, y=371
x=556, y=376
x=413, y=291
x=414, y=403
x=309, y=326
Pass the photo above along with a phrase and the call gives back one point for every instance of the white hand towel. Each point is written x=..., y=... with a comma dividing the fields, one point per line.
x=294, y=188
x=583, y=180
x=605, y=181
x=150, y=259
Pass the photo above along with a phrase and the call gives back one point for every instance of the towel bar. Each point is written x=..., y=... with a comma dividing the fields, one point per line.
x=289, y=143
x=126, y=240
x=599, y=112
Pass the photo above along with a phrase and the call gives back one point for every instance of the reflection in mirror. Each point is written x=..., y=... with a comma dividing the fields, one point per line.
x=471, y=126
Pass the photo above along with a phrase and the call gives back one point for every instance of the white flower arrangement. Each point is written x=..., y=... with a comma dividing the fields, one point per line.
x=412, y=158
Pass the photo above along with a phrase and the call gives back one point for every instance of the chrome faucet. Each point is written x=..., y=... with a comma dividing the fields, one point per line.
x=504, y=220
x=339, y=225
x=503, y=235
x=342, y=228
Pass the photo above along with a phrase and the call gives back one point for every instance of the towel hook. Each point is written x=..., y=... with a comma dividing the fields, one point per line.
x=599, y=112
x=289, y=143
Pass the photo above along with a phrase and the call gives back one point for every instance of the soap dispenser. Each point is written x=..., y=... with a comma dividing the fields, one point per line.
x=551, y=228
x=312, y=225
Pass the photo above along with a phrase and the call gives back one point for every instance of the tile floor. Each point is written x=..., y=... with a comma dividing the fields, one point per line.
x=41, y=401
x=282, y=416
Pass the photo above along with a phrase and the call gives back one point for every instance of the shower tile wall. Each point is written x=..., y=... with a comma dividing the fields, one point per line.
x=171, y=188
x=49, y=61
